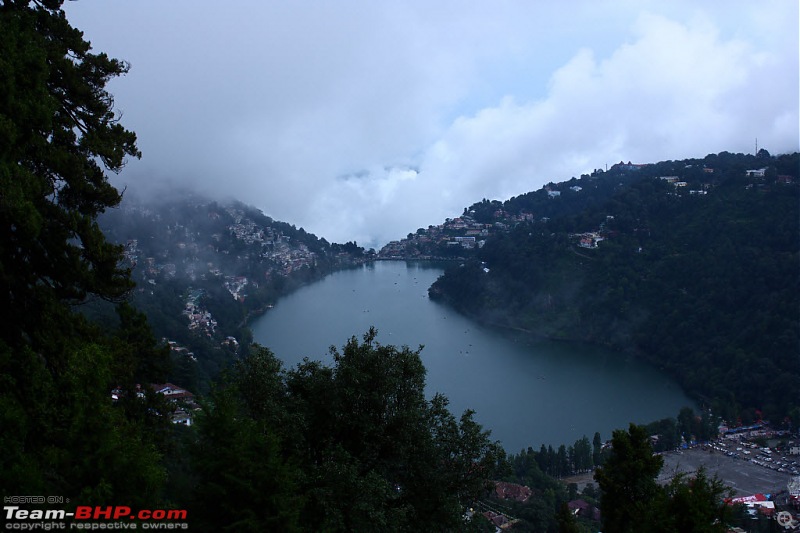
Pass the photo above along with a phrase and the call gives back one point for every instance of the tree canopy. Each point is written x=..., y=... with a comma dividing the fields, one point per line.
x=632, y=500
x=58, y=129
x=59, y=135
x=628, y=480
x=348, y=447
x=351, y=447
x=698, y=276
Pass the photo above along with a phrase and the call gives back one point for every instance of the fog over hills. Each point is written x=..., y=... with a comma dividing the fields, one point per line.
x=364, y=121
x=202, y=267
x=132, y=393
x=535, y=262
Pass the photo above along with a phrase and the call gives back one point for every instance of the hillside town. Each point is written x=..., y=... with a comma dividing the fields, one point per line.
x=451, y=239
x=204, y=268
x=460, y=237
x=186, y=252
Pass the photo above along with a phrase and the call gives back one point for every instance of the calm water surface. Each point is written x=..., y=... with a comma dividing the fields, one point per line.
x=527, y=393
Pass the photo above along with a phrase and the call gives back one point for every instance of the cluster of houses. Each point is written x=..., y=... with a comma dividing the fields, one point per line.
x=464, y=232
x=181, y=402
x=553, y=192
x=200, y=319
x=274, y=246
x=151, y=269
x=249, y=232
x=678, y=183
x=235, y=285
x=590, y=239
x=460, y=233
x=504, y=490
x=398, y=250
x=763, y=504
x=181, y=351
x=267, y=243
x=291, y=258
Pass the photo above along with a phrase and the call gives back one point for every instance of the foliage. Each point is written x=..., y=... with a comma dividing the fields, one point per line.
x=693, y=505
x=58, y=131
x=243, y=483
x=63, y=435
x=628, y=480
x=566, y=520
x=529, y=466
x=539, y=470
x=354, y=446
x=351, y=447
x=184, y=243
x=632, y=501
x=56, y=125
x=700, y=280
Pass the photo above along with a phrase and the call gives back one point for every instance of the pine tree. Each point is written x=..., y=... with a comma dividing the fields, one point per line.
x=628, y=480
x=61, y=433
x=57, y=124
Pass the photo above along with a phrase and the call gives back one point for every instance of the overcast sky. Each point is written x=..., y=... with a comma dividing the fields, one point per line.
x=364, y=120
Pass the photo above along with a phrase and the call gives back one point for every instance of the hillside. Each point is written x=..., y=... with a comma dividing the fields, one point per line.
x=691, y=265
x=203, y=267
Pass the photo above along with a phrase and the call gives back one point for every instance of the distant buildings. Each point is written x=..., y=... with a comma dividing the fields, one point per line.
x=181, y=403
x=759, y=173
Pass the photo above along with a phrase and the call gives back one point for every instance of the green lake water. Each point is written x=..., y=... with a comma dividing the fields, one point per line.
x=526, y=392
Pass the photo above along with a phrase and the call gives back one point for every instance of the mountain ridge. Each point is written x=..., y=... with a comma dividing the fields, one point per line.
x=203, y=268
x=691, y=265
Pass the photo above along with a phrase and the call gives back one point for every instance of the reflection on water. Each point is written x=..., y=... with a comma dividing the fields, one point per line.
x=527, y=392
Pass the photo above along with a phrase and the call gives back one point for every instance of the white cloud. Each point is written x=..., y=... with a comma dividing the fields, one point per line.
x=316, y=112
x=676, y=90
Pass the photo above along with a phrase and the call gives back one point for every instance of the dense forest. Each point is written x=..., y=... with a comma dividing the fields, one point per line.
x=691, y=265
x=353, y=446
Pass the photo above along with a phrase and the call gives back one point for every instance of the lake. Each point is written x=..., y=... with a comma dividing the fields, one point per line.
x=526, y=392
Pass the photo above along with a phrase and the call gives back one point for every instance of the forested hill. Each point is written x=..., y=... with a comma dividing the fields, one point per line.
x=692, y=265
x=87, y=417
x=202, y=267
